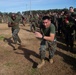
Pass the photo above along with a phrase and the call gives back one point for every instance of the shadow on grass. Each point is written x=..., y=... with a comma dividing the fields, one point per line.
x=27, y=53
x=68, y=59
x=26, y=30
x=62, y=45
x=9, y=41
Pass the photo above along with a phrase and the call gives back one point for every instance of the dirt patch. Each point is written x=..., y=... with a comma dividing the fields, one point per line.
x=23, y=61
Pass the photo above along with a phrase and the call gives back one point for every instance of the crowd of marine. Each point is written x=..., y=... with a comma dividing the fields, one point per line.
x=64, y=21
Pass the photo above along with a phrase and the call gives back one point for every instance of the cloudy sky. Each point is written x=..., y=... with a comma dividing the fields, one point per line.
x=24, y=5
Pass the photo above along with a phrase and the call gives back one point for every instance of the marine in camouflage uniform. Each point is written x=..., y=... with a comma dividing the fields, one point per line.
x=48, y=40
x=69, y=30
x=60, y=23
x=13, y=22
x=32, y=23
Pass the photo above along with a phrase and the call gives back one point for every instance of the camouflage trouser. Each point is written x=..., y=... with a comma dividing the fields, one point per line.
x=51, y=46
x=32, y=26
x=15, y=35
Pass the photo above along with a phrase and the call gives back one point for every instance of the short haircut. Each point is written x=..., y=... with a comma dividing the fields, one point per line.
x=46, y=17
x=66, y=12
x=13, y=14
x=71, y=7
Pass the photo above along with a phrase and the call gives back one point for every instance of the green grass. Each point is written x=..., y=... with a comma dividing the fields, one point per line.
x=1, y=37
x=10, y=64
x=34, y=72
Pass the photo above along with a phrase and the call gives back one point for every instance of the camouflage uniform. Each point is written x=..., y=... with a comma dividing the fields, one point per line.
x=32, y=25
x=15, y=28
x=69, y=31
x=50, y=45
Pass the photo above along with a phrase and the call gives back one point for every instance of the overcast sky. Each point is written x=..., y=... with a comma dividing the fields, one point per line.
x=24, y=5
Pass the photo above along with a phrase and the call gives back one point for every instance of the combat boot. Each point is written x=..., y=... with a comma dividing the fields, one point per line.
x=51, y=61
x=41, y=64
x=15, y=46
x=22, y=45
